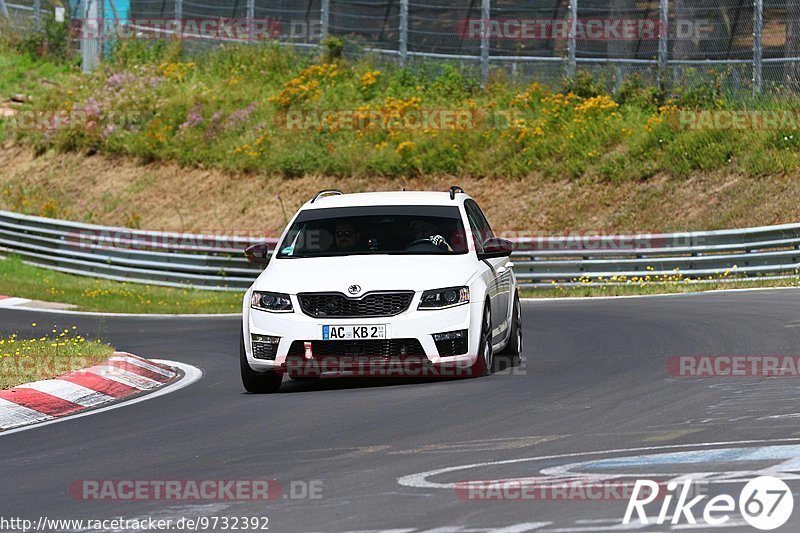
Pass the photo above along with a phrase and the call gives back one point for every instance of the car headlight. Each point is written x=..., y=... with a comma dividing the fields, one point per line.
x=274, y=302
x=443, y=298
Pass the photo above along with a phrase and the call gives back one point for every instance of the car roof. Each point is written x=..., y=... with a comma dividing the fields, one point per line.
x=386, y=198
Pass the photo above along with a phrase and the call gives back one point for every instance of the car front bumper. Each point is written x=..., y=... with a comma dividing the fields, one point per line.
x=412, y=324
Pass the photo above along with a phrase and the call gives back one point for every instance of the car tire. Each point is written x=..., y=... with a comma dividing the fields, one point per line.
x=483, y=365
x=257, y=382
x=513, y=349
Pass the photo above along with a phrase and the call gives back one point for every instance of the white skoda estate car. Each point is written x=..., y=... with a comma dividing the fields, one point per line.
x=381, y=284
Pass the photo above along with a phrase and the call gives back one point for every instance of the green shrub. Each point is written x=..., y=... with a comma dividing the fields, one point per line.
x=334, y=49
x=584, y=85
x=226, y=108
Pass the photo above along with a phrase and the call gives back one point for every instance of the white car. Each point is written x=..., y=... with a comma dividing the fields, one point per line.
x=381, y=284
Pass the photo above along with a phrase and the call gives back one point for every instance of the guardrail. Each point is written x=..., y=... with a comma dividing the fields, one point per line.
x=218, y=263
x=158, y=258
x=693, y=257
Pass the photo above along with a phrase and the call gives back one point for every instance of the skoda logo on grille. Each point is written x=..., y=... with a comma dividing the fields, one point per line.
x=354, y=289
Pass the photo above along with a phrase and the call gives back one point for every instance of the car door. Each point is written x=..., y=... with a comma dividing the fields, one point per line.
x=500, y=283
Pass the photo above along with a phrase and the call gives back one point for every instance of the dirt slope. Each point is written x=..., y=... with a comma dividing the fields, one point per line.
x=168, y=197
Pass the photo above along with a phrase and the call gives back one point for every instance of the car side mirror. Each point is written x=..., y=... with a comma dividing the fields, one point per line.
x=258, y=254
x=496, y=247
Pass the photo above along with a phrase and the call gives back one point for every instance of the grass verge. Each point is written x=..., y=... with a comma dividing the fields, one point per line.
x=271, y=127
x=47, y=353
x=88, y=294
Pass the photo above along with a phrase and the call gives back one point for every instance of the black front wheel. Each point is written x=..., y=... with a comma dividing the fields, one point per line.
x=257, y=382
x=484, y=364
x=514, y=347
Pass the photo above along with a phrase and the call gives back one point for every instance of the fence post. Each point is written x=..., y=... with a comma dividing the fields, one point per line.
x=325, y=17
x=251, y=17
x=486, y=19
x=179, y=17
x=3, y=9
x=758, y=26
x=37, y=14
x=663, y=41
x=403, y=32
x=572, y=63
x=90, y=44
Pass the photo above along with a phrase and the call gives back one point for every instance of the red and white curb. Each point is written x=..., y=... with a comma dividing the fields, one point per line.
x=7, y=302
x=123, y=376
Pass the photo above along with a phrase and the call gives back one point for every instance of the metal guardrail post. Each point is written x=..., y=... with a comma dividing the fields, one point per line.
x=90, y=44
x=37, y=15
x=251, y=17
x=178, y=16
x=663, y=41
x=325, y=17
x=486, y=18
x=403, y=32
x=758, y=51
x=572, y=47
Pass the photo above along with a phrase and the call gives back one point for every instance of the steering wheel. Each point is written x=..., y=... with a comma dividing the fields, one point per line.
x=420, y=243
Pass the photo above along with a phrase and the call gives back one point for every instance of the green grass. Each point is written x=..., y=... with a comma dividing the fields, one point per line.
x=44, y=353
x=24, y=281
x=22, y=73
x=224, y=109
x=640, y=289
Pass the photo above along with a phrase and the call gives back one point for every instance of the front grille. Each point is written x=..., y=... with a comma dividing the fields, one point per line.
x=376, y=304
x=378, y=349
x=265, y=350
x=452, y=347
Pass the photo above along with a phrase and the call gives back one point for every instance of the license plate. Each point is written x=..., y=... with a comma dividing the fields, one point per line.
x=334, y=333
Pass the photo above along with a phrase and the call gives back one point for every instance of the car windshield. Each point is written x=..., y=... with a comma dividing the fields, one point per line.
x=408, y=230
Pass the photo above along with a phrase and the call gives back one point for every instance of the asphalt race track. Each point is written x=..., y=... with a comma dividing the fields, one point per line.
x=594, y=381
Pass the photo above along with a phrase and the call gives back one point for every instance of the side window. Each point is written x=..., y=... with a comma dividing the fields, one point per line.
x=478, y=223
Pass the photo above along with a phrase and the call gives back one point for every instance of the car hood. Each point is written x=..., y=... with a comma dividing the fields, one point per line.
x=371, y=273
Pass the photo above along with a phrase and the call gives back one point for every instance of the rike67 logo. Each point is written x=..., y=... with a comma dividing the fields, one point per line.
x=765, y=503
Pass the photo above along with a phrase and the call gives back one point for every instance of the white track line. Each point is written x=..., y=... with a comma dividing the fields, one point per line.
x=420, y=480
x=191, y=374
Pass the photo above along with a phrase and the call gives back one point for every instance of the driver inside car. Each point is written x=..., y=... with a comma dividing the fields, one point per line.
x=346, y=236
x=425, y=230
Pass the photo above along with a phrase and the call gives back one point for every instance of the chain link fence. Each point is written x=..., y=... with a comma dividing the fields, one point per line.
x=746, y=44
x=25, y=13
